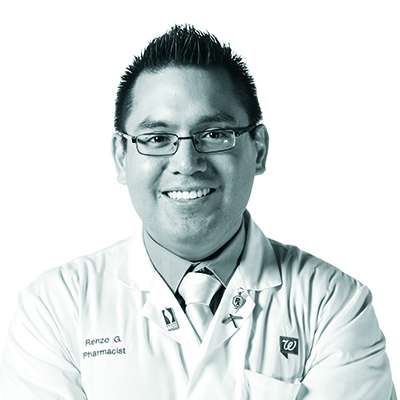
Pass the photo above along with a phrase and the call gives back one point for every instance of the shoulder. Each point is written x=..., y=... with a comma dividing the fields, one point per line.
x=296, y=262
x=78, y=273
x=299, y=270
x=316, y=281
x=51, y=306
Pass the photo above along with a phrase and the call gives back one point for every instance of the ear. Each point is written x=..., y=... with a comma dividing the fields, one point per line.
x=261, y=140
x=119, y=156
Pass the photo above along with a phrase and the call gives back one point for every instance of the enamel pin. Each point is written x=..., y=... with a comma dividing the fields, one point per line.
x=170, y=319
x=238, y=300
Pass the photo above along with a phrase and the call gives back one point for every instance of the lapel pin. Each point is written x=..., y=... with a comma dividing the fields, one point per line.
x=170, y=319
x=238, y=300
x=232, y=318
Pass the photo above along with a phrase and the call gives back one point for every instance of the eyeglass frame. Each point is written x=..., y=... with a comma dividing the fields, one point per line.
x=237, y=133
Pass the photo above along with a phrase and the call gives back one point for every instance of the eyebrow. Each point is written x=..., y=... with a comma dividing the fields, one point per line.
x=152, y=124
x=206, y=119
x=218, y=117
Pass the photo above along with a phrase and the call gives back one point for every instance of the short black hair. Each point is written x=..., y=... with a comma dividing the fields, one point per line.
x=183, y=45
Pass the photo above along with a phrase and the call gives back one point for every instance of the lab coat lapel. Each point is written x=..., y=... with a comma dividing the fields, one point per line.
x=137, y=272
x=161, y=298
x=258, y=270
x=220, y=331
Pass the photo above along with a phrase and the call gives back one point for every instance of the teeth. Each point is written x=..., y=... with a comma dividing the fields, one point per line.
x=194, y=194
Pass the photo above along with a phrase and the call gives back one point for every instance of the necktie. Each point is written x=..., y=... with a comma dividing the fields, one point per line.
x=197, y=290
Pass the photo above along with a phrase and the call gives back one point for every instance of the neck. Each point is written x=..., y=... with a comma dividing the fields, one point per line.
x=198, y=249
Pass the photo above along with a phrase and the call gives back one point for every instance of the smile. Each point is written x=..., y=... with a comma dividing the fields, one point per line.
x=188, y=195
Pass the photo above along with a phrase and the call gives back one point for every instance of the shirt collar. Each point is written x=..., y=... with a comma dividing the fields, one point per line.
x=173, y=268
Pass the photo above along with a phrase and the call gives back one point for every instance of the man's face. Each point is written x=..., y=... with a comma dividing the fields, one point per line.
x=191, y=203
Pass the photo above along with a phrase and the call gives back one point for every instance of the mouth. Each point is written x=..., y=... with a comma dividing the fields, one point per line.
x=189, y=194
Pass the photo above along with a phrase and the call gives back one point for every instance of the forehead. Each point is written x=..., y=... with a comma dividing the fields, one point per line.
x=178, y=95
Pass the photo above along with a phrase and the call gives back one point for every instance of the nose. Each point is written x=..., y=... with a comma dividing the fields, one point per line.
x=187, y=160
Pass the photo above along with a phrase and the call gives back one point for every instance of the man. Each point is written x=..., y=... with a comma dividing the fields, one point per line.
x=199, y=305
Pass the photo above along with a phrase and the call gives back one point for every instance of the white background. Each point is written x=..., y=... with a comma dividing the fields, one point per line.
x=328, y=79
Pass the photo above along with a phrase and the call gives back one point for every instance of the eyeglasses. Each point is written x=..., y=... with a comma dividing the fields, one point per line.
x=167, y=144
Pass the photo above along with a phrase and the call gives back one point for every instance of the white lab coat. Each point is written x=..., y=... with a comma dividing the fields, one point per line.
x=94, y=329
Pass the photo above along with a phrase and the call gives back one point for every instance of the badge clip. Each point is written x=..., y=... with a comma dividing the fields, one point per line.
x=238, y=300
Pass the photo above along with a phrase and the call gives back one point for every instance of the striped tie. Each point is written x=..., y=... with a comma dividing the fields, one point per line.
x=197, y=290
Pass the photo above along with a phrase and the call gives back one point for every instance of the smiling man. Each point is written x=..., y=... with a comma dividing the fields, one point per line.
x=199, y=304
x=190, y=195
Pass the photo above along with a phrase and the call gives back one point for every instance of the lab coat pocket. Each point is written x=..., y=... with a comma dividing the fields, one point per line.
x=256, y=387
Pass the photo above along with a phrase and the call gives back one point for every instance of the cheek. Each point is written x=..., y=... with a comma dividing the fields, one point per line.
x=142, y=177
x=242, y=189
x=242, y=171
x=239, y=184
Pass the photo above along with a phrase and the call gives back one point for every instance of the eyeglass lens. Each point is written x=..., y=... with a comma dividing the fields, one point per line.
x=167, y=144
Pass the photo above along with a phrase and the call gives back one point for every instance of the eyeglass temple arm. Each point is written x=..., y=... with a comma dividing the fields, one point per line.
x=245, y=130
x=126, y=136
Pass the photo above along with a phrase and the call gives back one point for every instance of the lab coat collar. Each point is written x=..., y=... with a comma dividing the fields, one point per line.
x=258, y=270
x=135, y=269
x=258, y=265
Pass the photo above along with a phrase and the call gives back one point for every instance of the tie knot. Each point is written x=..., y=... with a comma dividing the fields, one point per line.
x=198, y=288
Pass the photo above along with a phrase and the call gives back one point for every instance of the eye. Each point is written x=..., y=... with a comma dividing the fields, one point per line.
x=156, y=139
x=216, y=134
